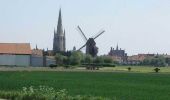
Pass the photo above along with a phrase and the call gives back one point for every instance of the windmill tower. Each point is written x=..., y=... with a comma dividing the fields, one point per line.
x=59, y=37
x=90, y=44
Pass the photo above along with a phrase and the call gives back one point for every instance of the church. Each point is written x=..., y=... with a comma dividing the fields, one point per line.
x=59, y=41
x=118, y=55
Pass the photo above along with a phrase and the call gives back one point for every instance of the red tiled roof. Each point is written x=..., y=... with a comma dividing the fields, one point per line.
x=15, y=48
x=37, y=52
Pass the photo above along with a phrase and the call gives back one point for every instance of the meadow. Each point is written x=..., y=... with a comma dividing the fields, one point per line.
x=114, y=85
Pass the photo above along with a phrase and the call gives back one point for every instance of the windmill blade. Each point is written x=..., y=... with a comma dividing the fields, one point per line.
x=82, y=33
x=82, y=47
x=99, y=33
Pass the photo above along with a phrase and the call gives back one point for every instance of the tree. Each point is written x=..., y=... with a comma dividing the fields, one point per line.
x=167, y=60
x=107, y=59
x=88, y=59
x=146, y=61
x=59, y=59
x=157, y=61
x=98, y=60
x=75, y=58
x=66, y=60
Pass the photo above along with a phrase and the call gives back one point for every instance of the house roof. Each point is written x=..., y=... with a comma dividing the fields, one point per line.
x=37, y=52
x=15, y=48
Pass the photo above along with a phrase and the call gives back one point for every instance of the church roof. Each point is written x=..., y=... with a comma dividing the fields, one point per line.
x=15, y=48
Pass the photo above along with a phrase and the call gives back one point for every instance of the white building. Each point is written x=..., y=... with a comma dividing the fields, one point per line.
x=15, y=54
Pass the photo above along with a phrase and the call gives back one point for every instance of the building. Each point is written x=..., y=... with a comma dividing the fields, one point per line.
x=137, y=59
x=15, y=54
x=41, y=58
x=59, y=37
x=118, y=55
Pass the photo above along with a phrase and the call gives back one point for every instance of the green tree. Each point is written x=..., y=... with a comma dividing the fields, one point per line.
x=107, y=59
x=88, y=59
x=99, y=60
x=158, y=61
x=167, y=60
x=146, y=61
x=75, y=58
x=59, y=59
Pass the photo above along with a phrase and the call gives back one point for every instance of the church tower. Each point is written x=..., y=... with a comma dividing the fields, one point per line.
x=59, y=37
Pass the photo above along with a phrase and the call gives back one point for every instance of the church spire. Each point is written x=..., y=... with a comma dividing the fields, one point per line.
x=117, y=48
x=59, y=26
x=59, y=36
x=36, y=47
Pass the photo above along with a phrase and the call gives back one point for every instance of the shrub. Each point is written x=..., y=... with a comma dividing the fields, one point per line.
x=129, y=68
x=53, y=66
x=108, y=65
x=44, y=93
x=157, y=70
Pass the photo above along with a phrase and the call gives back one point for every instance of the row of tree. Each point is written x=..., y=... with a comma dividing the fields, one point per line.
x=78, y=58
x=157, y=61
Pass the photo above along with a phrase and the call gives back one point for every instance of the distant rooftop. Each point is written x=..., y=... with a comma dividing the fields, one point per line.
x=15, y=48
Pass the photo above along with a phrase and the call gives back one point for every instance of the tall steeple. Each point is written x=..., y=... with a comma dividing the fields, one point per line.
x=59, y=36
x=60, y=26
x=117, y=47
x=64, y=40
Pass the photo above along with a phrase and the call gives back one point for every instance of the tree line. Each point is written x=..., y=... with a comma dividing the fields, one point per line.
x=157, y=61
x=78, y=58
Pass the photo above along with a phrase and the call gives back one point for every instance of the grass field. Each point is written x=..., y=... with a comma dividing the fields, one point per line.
x=116, y=85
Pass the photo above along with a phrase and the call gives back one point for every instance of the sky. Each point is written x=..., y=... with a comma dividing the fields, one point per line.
x=138, y=26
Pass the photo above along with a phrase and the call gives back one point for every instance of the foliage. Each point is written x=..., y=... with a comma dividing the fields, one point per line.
x=108, y=65
x=167, y=60
x=59, y=59
x=129, y=68
x=53, y=66
x=75, y=58
x=44, y=93
x=99, y=60
x=156, y=70
x=107, y=59
x=158, y=61
x=88, y=59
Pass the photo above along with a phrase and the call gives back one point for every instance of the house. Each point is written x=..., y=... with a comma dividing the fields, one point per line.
x=137, y=59
x=41, y=58
x=15, y=54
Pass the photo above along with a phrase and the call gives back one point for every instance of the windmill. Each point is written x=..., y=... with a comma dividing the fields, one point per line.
x=90, y=43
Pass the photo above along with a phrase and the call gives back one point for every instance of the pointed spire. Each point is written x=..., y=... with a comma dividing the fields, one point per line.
x=36, y=47
x=117, y=48
x=74, y=48
x=59, y=26
x=54, y=31
x=111, y=49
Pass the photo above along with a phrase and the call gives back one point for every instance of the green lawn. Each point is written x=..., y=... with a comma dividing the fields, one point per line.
x=119, y=85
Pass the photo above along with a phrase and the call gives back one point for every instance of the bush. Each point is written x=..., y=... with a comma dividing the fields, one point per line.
x=44, y=93
x=53, y=66
x=157, y=70
x=108, y=65
x=67, y=66
x=129, y=68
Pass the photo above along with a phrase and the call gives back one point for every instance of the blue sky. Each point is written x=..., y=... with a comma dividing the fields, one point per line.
x=138, y=26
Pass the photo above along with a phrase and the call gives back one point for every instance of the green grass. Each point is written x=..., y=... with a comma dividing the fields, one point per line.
x=119, y=85
x=138, y=69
